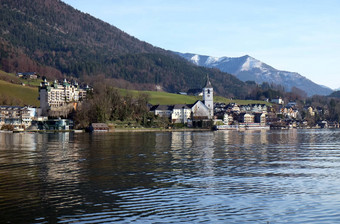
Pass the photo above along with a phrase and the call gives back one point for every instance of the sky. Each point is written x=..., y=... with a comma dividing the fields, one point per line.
x=293, y=35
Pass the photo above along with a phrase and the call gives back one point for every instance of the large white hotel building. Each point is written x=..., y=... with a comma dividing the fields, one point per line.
x=56, y=95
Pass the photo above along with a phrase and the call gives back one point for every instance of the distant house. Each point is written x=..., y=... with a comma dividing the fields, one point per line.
x=277, y=101
x=290, y=112
x=101, y=127
x=27, y=75
x=245, y=118
x=259, y=108
x=234, y=108
x=195, y=92
x=291, y=104
x=310, y=111
x=228, y=118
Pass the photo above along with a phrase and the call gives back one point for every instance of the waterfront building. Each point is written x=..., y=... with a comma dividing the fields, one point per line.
x=260, y=118
x=181, y=113
x=162, y=110
x=228, y=118
x=55, y=124
x=18, y=117
x=57, y=95
x=246, y=118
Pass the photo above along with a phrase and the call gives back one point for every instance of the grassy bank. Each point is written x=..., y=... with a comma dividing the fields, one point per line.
x=164, y=98
x=28, y=95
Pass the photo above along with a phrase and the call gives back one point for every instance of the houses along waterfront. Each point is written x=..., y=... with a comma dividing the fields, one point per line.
x=59, y=99
x=56, y=100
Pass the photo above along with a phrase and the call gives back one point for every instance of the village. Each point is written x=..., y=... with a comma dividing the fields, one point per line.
x=59, y=99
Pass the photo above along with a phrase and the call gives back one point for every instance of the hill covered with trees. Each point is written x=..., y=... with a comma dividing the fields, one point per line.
x=56, y=40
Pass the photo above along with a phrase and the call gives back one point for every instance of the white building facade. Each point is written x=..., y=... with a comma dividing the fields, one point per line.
x=56, y=95
x=181, y=113
x=208, y=97
x=18, y=117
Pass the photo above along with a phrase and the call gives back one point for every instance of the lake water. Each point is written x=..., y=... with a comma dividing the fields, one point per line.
x=290, y=176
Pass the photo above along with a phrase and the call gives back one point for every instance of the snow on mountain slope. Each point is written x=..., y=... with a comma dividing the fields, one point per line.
x=248, y=68
x=250, y=64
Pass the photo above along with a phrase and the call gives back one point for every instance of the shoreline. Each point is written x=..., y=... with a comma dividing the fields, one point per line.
x=124, y=130
x=159, y=130
x=117, y=130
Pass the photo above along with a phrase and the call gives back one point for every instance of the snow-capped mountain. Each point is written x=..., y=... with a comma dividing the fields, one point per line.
x=248, y=68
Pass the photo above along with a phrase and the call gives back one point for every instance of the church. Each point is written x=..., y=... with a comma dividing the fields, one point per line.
x=185, y=113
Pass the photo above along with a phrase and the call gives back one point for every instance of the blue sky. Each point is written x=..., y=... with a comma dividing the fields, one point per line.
x=293, y=35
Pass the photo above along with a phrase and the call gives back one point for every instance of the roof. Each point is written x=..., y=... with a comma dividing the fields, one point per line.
x=181, y=106
x=208, y=83
x=198, y=101
x=164, y=107
x=258, y=104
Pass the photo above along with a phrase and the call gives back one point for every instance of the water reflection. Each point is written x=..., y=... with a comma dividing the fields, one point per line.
x=193, y=154
x=250, y=176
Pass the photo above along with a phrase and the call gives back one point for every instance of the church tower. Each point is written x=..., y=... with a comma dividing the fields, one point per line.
x=208, y=97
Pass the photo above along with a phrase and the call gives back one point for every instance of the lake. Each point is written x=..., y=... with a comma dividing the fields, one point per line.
x=268, y=176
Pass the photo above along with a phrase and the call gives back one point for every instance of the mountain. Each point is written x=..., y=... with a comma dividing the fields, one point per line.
x=335, y=94
x=56, y=40
x=247, y=68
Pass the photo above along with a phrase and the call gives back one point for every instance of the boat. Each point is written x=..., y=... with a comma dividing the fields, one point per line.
x=228, y=127
x=256, y=126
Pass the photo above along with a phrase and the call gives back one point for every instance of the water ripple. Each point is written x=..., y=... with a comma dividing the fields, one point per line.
x=210, y=177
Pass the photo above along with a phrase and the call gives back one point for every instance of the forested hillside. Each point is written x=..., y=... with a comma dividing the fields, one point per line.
x=55, y=40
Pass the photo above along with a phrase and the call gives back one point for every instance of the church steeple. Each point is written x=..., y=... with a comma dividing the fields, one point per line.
x=208, y=83
x=208, y=97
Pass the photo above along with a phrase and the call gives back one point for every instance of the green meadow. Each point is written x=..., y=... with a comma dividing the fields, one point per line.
x=28, y=95
x=164, y=98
